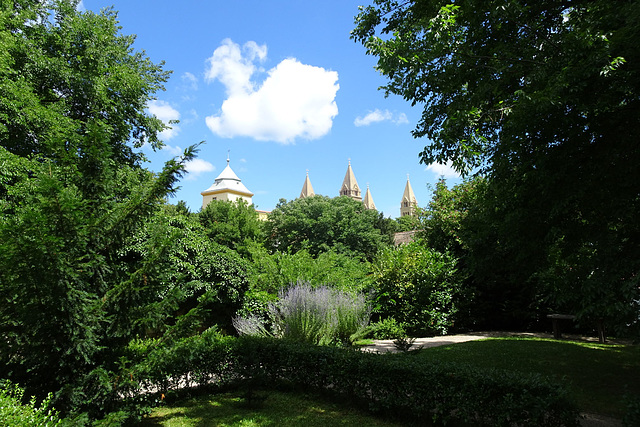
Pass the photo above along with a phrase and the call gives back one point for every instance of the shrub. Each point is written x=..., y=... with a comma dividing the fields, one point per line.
x=313, y=315
x=410, y=388
x=399, y=385
x=274, y=272
x=14, y=413
x=386, y=329
x=417, y=286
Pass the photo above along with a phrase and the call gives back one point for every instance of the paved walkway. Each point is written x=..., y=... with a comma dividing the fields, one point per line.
x=387, y=346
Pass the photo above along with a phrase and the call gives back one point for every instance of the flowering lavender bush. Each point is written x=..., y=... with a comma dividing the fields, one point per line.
x=314, y=315
x=349, y=316
x=250, y=325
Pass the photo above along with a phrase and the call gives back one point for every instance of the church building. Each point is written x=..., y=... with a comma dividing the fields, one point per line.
x=226, y=187
x=350, y=185
x=408, y=203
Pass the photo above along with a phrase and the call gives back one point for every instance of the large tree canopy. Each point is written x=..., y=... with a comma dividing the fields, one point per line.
x=502, y=79
x=319, y=224
x=73, y=94
x=544, y=97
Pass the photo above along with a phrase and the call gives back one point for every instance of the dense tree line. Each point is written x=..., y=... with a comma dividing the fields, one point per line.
x=542, y=98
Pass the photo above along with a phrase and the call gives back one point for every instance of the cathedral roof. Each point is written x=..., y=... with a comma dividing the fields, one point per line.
x=350, y=185
x=307, y=188
x=228, y=181
x=368, y=200
x=408, y=195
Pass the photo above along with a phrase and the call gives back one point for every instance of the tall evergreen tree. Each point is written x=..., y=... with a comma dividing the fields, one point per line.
x=73, y=94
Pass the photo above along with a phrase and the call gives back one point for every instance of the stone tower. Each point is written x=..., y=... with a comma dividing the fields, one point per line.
x=226, y=187
x=368, y=200
x=409, y=203
x=307, y=188
x=350, y=185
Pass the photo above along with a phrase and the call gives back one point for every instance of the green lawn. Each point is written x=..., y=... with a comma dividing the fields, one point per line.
x=598, y=376
x=277, y=409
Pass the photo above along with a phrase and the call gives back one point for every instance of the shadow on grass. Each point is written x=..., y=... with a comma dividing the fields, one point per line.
x=263, y=408
x=599, y=376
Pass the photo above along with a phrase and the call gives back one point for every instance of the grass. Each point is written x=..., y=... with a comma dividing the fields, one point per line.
x=274, y=408
x=598, y=375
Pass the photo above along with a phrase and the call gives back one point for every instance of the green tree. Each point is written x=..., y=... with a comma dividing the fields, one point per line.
x=417, y=286
x=72, y=193
x=499, y=292
x=232, y=224
x=191, y=284
x=542, y=96
x=319, y=224
x=407, y=223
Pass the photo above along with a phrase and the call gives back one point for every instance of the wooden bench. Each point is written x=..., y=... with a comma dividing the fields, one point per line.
x=555, y=319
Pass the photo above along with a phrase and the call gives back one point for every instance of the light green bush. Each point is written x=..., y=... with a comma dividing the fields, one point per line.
x=16, y=414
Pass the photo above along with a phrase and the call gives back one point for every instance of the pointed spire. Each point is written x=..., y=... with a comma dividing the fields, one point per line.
x=350, y=185
x=307, y=188
x=368, y=200
x=409, y=203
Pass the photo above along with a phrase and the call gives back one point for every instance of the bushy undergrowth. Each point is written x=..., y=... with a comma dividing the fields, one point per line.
x=418, y=286
x=402, y=386
x=386, y=329
x=319, y=315
x=13, y=412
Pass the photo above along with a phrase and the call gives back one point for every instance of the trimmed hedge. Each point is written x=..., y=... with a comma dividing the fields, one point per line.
x=398, y=386
x=411, y=388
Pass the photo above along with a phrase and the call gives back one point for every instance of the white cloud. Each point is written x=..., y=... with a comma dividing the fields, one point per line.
x=189, y=81
x=373, y=117
x=173, y=150
x=294, y=101
x=380, y=116
x=401, y=119
x=166, y=113
x=196, y=167
x=445, y=170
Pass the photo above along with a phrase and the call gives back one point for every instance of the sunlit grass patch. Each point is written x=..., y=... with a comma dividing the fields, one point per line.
x=277, y=409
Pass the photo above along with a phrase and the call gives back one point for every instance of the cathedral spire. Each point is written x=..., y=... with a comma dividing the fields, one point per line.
x=307, y=188
x=368, y=200
x=409, y=203
x=350, y=185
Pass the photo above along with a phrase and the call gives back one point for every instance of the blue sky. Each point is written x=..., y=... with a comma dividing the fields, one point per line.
x=281, y=88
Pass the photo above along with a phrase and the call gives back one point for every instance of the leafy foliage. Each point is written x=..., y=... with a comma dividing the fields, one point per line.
x=191, y=282
x=418, y=287
x=277, y=271
x=318, y=224
x=72, y=193
x=14, y=413
x=232, y=224
x=386, y=329
x=407, y=223
x=497, y=294
x=543, y=97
